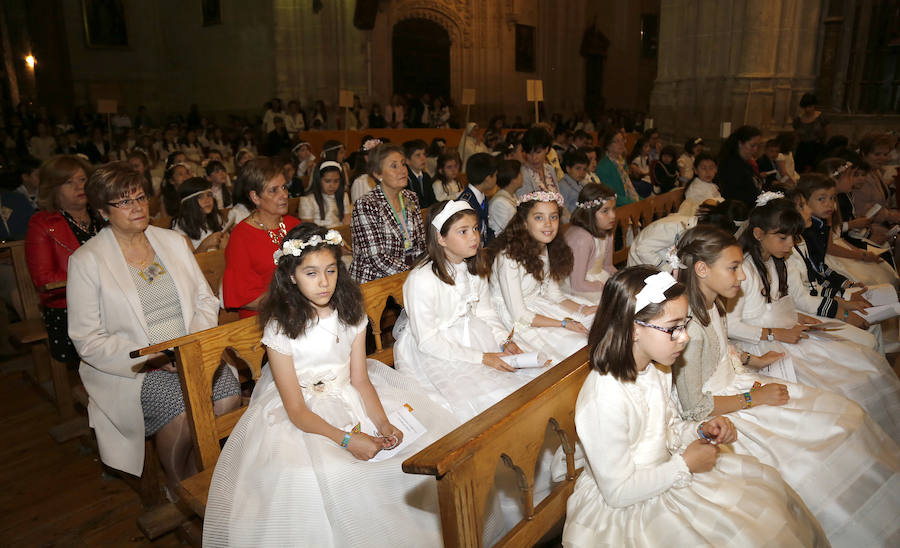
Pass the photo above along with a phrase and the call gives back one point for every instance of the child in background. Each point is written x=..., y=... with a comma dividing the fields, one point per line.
x=446, y=185
x=198, y=218
x=503, y=203
x=768, y=169
x=590, y=237
x=481, y=170
x=665, y=171
x=651, y=477
x=692, y=147
x=326, y=204
x=791, y=427
x=305, y=464
x=575, y=163
x=702, y=188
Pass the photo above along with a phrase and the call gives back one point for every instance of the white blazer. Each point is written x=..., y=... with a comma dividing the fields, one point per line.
x=106, y=322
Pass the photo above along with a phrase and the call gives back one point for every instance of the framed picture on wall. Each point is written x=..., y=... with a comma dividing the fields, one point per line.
x=212, y=12
x=525, y=48
x=104, y=23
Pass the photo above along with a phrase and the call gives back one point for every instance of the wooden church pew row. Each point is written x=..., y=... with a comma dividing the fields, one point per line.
x=212, y=264
x=50, y=375
x=198, y=356
x=631, y=218
x=464, y=461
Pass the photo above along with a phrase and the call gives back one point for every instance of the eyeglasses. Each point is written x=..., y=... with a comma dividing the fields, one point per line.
x=675, y=332
x=129, y=202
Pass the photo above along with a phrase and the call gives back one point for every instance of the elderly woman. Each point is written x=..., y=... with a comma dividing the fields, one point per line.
x=64, y=223
x=248, y=255
x=386, y=225
x=611, y=168
x=134, y=285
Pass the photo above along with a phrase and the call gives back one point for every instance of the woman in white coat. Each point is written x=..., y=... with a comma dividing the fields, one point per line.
x=130, y=286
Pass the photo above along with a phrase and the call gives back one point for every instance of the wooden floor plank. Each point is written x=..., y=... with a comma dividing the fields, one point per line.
x=56, y=494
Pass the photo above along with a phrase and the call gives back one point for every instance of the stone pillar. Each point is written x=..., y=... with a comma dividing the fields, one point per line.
x=738, y=61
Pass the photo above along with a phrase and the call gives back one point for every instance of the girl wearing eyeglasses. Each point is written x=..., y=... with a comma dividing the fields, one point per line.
x=652, y=478
x=791, y=427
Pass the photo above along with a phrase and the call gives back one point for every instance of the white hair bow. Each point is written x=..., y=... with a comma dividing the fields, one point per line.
x=654, y=291
x=673, y=260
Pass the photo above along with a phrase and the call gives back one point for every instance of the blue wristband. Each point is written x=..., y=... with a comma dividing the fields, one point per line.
x=701, y=433
x=346, y=441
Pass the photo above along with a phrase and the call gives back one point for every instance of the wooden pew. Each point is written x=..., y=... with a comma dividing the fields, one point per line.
x=464, y=461
x=212, y=264
x=631, y=218
x=49, y=374
x=667, y=203
x=199, y=355
x=163, y=221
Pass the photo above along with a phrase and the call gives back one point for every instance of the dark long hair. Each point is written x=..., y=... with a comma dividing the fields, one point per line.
x=315, y=188
x=285, y=304
x=435, y=253
x=191, y=218
x=525, y=250
x=782, y=217
x=730, y=146
x=703, y=243
x=586, y=217
x=612, y=334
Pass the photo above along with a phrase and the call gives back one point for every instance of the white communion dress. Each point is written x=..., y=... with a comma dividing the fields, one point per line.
x=855, y=371
x=826, y=447
x=636, y=489
x=450, y=328
x=275, y=485
x=518, y=297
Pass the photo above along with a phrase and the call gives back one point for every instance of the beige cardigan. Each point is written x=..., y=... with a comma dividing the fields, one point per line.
x=106, y=322
x=694, y=367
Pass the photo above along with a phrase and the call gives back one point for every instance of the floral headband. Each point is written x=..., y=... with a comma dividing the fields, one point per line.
x=370, y=144
x=594, y=203
x=767, y=197
x=837, y=172
x=296, y=247
x=543, y=196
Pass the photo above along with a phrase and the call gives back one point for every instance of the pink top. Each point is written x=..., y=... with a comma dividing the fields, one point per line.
x=587, y=253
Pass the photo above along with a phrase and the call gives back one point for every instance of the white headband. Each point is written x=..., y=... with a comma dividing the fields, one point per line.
x=654, y=291
x=199, y=192
x=329, y=149
x=330, y=163
x=295, y=247
x=767, y=197
x=843, y=168
x=452, y=207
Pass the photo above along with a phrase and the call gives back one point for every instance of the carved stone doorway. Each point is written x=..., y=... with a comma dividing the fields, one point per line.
x=421, y=55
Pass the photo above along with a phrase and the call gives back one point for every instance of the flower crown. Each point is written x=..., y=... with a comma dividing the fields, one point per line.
x=296, y=247
x=767, y=197
x=836, y=173
x=594, y=203
x=370, y=144
x=543, y=196
x=673, y=259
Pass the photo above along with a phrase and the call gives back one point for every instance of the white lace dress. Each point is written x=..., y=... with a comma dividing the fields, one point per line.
x=450, y=328
x=636, y=489
x=826, y=447
x=275, y=485
x=518, y=297
x=857, y=372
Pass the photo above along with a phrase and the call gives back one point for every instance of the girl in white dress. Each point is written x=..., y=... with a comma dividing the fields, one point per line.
x=655, y=240
x=701, y=188
x=327, y=203
x=763, y=317
x=445, y=185
x=590, y=237
x=789, y=426
x=198, y=219
x=651, y=478
x=455, y=342
x=526, y=264
x=294, y=470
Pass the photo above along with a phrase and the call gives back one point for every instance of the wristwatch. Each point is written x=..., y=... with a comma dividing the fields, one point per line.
x=563, y=322
x=745, y=358
x=771, y=336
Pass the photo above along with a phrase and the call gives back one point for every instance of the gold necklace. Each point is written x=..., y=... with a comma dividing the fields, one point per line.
x=275, y=234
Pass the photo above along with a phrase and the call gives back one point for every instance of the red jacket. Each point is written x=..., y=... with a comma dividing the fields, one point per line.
x=48, y=245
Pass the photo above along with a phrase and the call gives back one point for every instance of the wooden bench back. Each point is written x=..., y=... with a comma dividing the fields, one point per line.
x=212, y=264
x=199, y=356
x=375, y=296
x=163, y=221
x=636, y=215
x=464, y=461
x=668, y=203
x=294, y=206
x=28, y=295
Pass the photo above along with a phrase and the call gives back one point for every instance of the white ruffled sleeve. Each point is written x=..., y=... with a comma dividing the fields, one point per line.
x=275, y=339
x=509, y=278
x=737, y=307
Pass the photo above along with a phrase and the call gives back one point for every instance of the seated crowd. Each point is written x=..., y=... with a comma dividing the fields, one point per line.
x=739, y=321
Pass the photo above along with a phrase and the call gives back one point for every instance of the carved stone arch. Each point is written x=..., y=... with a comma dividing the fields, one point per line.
x=438, y=12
